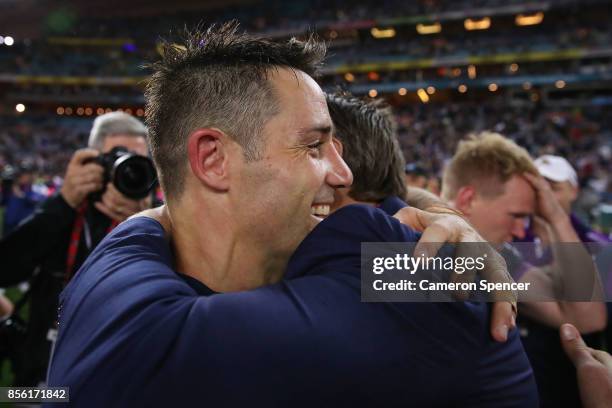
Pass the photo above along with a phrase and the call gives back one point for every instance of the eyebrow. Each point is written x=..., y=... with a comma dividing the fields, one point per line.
x=324, y=129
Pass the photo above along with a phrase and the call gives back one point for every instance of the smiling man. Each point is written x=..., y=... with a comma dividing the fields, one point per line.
x=242, y=138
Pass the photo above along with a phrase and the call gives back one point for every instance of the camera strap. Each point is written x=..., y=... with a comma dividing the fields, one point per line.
x=75, y=237
x=80, y=226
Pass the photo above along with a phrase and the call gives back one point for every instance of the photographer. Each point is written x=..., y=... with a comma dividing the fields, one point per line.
x=50, y=246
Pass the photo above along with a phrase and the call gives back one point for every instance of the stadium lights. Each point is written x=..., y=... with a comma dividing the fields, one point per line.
x=527, y=20
x=482, y=24
x=373, y=93
x=8, y=40
x=425, y=29
x=402, y=91
x=373, y=76
x=423, y=95
x=20, y=107
x=382, y=32
x=471, y=71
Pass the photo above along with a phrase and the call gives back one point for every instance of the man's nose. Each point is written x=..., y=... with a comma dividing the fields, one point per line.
x=339, y=174
x=518, y=229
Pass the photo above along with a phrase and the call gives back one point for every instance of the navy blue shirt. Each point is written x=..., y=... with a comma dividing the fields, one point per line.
x=133, y=332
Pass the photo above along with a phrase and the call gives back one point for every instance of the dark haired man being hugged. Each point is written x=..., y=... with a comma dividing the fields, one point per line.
x=246, y=185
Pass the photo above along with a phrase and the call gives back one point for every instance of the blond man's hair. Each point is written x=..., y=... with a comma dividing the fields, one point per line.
x=486, y=161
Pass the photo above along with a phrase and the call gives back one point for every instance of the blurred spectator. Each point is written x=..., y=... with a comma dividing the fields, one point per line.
x=20, y=198
x=50, y=246
x=495, y=183
x=564, y=182
x=415, y=176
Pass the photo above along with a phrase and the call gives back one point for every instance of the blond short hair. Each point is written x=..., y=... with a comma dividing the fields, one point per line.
x=486, y=161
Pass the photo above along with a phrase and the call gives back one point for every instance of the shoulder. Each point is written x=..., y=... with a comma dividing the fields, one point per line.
x=132, y=265
x=338, y=238
x=366, y=223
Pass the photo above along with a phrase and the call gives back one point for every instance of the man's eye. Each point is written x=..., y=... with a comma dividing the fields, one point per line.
x=315, y=146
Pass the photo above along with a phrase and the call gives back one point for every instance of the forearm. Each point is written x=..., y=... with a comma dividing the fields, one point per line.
x=588, y=317
x=562, y=230
x=575, y=279
x=574, y=272
x=423, y=199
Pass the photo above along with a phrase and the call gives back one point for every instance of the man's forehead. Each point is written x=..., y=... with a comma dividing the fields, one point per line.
x=291, y=83
x=520, y=195
x=299, y=93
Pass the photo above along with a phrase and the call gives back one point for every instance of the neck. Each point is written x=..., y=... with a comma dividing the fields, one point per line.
x=213, y=250
x=342, y=199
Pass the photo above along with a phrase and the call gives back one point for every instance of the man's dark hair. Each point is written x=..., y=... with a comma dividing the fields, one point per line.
x=368, y=134
x=218, y=78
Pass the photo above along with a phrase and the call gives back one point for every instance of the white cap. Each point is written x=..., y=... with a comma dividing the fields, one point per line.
x=556, y=168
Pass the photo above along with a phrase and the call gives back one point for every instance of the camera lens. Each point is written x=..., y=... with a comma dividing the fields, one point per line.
x=134, y=176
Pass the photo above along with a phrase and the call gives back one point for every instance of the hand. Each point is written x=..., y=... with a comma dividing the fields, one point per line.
x=6, y=306
x=548, y=207
x=118, y=207
x=81, y=179
x=542, y=229
x=439, y=228
x=593, y=368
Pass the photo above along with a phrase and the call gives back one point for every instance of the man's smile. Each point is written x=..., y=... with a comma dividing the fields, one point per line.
x=320, y=210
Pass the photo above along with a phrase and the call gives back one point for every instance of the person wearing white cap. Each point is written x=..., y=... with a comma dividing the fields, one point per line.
x=562, y=178
x=563, y=181
x=495, y=184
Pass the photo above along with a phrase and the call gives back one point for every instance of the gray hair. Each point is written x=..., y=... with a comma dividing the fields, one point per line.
x=114, y=123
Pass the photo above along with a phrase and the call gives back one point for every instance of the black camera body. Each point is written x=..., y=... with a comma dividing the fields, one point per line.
x=133, y=175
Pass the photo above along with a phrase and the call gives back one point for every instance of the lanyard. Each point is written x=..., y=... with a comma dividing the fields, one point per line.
x=80, y=226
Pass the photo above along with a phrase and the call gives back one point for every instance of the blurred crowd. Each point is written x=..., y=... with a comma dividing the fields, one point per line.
x=125, y=55
x=428, y=135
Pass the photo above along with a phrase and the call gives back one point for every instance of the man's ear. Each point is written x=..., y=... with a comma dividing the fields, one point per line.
x=207, y=150
x=465, y=198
